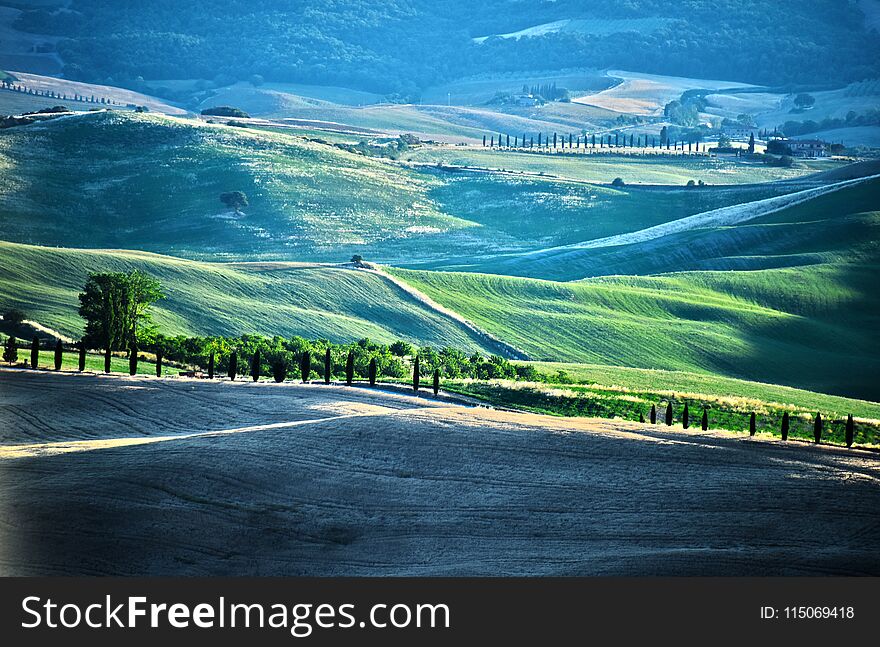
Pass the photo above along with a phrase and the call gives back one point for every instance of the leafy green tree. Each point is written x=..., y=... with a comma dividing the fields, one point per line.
x=235, y=200
x=14, y=317
x=401, y=348
x=116, y=307
x=804, y=100
x=59, y=354
x=35, y=352
x=10, y=350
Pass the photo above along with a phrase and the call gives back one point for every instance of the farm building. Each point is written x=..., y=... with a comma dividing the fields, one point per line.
x=808, y=147
x=526, y=100
x=738, y=133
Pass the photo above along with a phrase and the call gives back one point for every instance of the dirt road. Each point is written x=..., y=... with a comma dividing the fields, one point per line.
x=119, y=475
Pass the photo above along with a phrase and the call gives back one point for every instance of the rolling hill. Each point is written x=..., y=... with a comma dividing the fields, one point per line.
x=787, y=298
x=152, y=182
x=314, y=301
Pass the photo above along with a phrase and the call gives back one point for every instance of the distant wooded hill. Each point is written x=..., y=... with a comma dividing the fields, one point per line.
x=403, y=46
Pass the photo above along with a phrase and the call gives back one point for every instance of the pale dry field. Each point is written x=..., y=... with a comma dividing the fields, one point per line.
x=119, y=475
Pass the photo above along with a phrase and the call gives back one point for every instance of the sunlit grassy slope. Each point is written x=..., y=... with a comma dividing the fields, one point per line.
x=202, y=298
x=150, y=182
x=154, y=183
x=804, y=313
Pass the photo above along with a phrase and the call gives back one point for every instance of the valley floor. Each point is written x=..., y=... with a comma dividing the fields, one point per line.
x=119, y=475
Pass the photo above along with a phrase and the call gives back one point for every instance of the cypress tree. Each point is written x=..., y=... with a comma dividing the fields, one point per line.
x=751, y=142
x=35, y=352
x=669, y=414
x=416, y=374
x=641, y=417
x=10, y=350
x=653, y=417
x=159, y=356
x=850, y=430
x=373, y=372
x=685, y=417
x=554, y=140
x=817, y=428
x=82, y=355
x=593, y=140
x=133, y=360
x=349, y=368
x=785, y=425
x=704, y=423
x=328, y=366
x=436, y=381
x=107, y=360
x=233, y=365
x=539, y=140
x=255, y=366
x=211, y=366
x=508, y=141
x=59, y=355
x=305, y=366
x=752, y=426
x=484, y=140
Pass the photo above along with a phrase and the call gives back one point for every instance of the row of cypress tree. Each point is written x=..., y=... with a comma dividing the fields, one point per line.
x=279, y=373
x=818, y=424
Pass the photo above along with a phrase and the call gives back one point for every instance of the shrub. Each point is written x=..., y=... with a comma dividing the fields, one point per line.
x=225, y=111
x=10, y=350
x=618, y=181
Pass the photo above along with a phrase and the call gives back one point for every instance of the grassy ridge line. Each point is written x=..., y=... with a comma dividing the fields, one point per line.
x=311, y=300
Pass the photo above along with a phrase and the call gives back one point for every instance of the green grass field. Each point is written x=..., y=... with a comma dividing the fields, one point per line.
x=313, y=301
x=307, y=201
x=599, y=168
